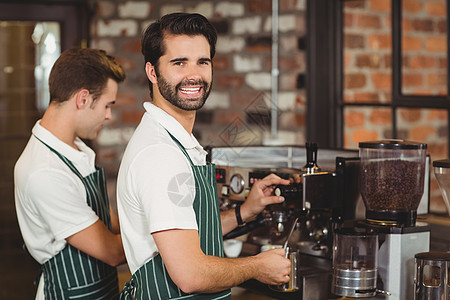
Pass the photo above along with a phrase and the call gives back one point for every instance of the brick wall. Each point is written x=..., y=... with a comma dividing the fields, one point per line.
x=238, y=109
x=368, y=75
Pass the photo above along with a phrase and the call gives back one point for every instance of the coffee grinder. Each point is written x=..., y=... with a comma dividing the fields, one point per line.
x=392, y=183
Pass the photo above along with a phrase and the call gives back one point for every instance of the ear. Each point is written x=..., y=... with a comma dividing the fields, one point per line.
x=151, y=73
x=82, y=98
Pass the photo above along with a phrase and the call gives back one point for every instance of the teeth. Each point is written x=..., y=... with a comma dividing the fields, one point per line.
x=190, y=90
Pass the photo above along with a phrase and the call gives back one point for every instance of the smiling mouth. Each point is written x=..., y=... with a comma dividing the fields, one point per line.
x=190, y=91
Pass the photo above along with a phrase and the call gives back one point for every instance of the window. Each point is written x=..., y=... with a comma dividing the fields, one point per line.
x=383, y=72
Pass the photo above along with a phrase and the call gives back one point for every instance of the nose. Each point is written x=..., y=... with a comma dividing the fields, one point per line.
x=108, y=114
x=193, y=72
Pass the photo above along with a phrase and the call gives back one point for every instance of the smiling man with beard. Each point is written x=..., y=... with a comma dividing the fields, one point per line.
x=166, y=192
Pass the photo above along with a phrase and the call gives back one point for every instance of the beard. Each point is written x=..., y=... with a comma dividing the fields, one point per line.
x=170, y=93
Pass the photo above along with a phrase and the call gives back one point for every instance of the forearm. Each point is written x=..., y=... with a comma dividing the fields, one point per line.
x=229, y=221
x=211, y=274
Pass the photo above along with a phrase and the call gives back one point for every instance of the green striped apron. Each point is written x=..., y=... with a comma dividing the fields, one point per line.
x=73, y=274
x=151, y=281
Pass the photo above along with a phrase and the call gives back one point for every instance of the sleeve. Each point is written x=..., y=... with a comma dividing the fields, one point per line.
x=165, y=186
x=61, y=202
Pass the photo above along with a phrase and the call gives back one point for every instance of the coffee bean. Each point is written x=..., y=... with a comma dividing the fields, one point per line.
x=392, y=185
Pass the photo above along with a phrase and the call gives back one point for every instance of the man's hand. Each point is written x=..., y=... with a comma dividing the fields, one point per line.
x=275, y=269
x=260, y=196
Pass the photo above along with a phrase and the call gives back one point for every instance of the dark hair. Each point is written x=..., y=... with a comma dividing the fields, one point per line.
x=78, y=69
x=153, y=46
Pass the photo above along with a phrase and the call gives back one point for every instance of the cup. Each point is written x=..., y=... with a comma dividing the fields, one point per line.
x=292, y=285
x=232, y=247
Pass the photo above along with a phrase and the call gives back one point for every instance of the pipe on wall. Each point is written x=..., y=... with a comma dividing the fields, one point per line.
x=275, y=72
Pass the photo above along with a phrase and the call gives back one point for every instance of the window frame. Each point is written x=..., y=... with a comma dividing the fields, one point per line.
x=325, y=68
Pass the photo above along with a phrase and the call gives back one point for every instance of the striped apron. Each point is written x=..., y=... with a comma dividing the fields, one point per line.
x=73, y=274
x=152, y=281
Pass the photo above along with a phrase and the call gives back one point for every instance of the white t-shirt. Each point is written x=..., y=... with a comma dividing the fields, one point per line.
x=50, y=199
x=155, y=186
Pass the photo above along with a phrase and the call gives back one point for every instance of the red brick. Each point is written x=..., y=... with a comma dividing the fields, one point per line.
x=379, y=41
x=410, y=115
x=425, y=25
x=388, y=61
x=364, y=135
x=442, y=63
x=224, y=117
x=125, y=100
x=132, y=117
x=368, y=61
x=381, y=81
x=292, y=62
x=437, y=150
x=412, y=80
x=436, y=44
x=380, y=5
x=410, y=43
x=354, y=119
x=288, y=80
x=347, y=60
x=221, y=63
x=411, y=6
x=437, y=114
x=292, y=119
x=436, y=8
x=442, y=26
x=287, y=5
x=348, y=96
x=126, y=63
x=421, y=62
x=259, y=6
x=406, y=24
x=348, y=19
x=437, y=79
x=132, y=46
x=354, y=4
x=381, y=117
x=229, y=81
x=242, y=99
x=367, y=97
x=352, y=81
x=369, y=21
x=421, y=133
x=353, y=41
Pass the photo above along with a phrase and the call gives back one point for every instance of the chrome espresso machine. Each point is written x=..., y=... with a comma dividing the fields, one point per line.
x=324, y=192
x=325, y=196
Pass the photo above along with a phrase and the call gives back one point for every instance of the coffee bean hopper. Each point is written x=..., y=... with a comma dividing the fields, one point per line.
x=392, y=185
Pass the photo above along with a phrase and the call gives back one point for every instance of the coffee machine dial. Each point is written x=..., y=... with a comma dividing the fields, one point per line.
x=237, y=183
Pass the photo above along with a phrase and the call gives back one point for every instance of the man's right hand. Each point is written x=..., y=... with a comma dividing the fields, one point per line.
x=274, y=267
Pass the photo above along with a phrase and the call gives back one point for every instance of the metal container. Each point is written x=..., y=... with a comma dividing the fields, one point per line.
x=431, y=278
x=293, y=284
x=354, y=263
x=442, y=173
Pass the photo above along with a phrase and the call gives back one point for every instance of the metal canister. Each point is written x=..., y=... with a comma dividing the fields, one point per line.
x=431, y=278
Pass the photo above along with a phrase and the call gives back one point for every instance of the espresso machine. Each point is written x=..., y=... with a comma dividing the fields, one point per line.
x=392, y=185
x=323, y=193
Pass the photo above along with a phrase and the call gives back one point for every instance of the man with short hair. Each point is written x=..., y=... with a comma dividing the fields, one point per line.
x=61, y=201
x=166, y=192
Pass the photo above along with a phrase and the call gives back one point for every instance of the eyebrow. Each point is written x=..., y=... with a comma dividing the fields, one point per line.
x=181, y=59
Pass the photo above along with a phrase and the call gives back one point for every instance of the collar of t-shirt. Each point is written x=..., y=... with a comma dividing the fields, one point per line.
x=83, y=159
x=188, y=141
